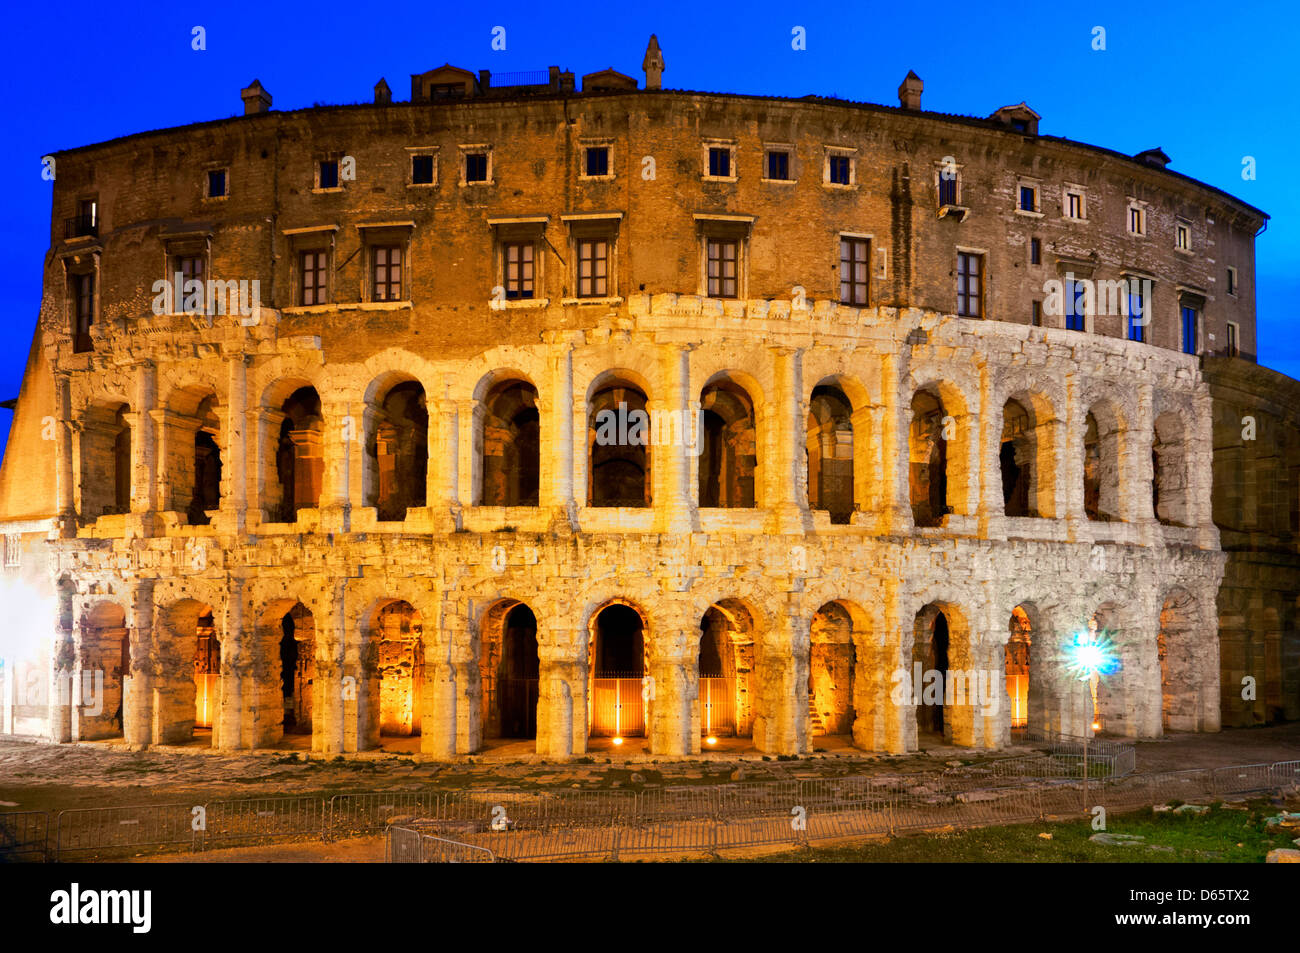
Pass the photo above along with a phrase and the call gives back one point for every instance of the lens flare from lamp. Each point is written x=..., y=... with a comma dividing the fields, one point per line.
x=711, y=740
x=1091, y=653
x=618, y=741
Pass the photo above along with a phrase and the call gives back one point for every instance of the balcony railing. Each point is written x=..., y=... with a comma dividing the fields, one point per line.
x=80, y=225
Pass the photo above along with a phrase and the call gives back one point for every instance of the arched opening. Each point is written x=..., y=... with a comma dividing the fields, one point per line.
x=618, y=439
x=299, y=458
x=617, y=647
x=831, y=672
x=104, y=662
x=1101, y=476
x=729, y=456
x=1180, y=678
x=206, y=495
x=829, y=444
x=928, y=460
x=1107, y=693
x=397, y=450
x=511, y=445
x=1169, y=496
x=726, y=662
x=931, y=647
x=395, y=671
x=1019, y=641
x=509, y=668
x=1016, y=458
x=105, y=461
x=187, y=675
x=297, y=650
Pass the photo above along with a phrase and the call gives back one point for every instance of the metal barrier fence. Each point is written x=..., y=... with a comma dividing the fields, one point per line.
x=24, y=835
x=539, y=825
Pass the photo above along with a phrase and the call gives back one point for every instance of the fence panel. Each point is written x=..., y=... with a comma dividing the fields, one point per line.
x=126, y=828
x=1242, y=779
x=1284, y=774
x=438, y=850
x=24, y=835
x=264, y=819
x=375, y=810
x=1143, y=790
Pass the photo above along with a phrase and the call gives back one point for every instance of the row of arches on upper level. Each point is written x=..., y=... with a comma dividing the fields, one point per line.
x=727, y=430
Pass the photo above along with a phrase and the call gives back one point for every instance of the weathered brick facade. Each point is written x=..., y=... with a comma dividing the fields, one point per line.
x=961, y=466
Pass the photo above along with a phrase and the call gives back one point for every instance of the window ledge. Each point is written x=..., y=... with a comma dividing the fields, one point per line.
x=612, y=302
x=717, y=178
x=596, y=178
x=374, y=306
x=840, y=186
x=1186, y=251
x=958, y=212
x=472, y=185
x=1028, y=214
x=316, y=308
x=519, y=304
x=1136, y=234
x=320, y=191
x=421, y=185
x=779, y=181
x=216, y=198
x=1076, y=221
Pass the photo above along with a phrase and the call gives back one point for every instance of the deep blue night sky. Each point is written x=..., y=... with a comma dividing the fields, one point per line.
x=1207, y=82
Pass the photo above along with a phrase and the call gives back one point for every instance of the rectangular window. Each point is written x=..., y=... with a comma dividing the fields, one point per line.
x=778, y=165
x=518, y=270
x=328, y=174
x=216, y=183
x=422, y=170
x=947, y=188
x=1076, y=317
x=1232, y=280
x=970, y=284
x=88, y=213
x=839, y=170
x=387, y=283
x=13, y=550
x=720, y=163
x=476, y=167
x=1233, y=347
x=593, y=268
x=1190, y=328
x=314, y=285
x=1182, y=237
x=1137, y=313
x=1028, y=199
x=1136, y=220
x=854, y=256
x=1035, y=251
x=1037, y=318
x=1073, y=205
x=190, y=268
x=83, y=311
x=598, y=161
x=722, y=261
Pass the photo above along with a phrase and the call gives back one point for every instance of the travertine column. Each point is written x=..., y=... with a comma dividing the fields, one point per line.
x=671, y=701
x=674, y=428
x=62, y=662
x=1200, y=473
x=884, y=716
x=469, y=415
x=783, y=437
x=1139, y=468
x=1069, y=486
x=444, y=471
x=781, y=723
x=895, y=504
x=340, y=698
x=342, y=446
x=234, y=479
x=556, y=412
x=445, y=695
x=865, y=463
x=137, y=689
x=143, y=457
x=991, y=515
x=233, y=728
x=562, y=693
x=67, y=518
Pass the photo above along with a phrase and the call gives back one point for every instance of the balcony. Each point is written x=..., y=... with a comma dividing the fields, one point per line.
x=80, y=226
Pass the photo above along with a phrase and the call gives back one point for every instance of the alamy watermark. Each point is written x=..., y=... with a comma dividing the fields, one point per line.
x=979, y=688
x=211, y=297
x=656, y=428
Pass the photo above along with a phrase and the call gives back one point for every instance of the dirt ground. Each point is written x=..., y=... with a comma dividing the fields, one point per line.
x=44, y=777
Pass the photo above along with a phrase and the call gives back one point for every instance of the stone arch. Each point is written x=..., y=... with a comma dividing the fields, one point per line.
x=103, y=665
x=299, y=458
x=1187, y=689
x=284, y=669
x=509, y=667
x=396, y=449
x=1104, y=486
x=192, y=443
x=509, y=438
x=837, y=631
x=186, y=671
x=943, y=645
x=1027, y=455
x=391, y=694
x=831, y=452
x=618, y=653
x=105, y=472
x=1170, y=466
x=724, y=671
x=731, y=448
x=1117, y=698
x=619, y=454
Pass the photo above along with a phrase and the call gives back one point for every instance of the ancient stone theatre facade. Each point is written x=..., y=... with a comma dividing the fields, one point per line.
x=591, y=411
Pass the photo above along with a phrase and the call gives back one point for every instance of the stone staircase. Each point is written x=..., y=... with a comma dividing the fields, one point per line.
x=816, y=726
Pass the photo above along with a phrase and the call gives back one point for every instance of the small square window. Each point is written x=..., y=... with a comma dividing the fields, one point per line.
x=1035, y=251
x=216, y=183
x=1028, y=198
x=1074, y=205
x=720, y=162
x=476, y=167
x=597, y=161
x=328, y=174
x=1137, y=220
x=839, y=170
x=422, y=170
x=778, y=165
x=1183, y=237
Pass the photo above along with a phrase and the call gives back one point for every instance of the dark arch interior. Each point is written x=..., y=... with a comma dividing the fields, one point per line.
x=517, y=674
x=620, y=648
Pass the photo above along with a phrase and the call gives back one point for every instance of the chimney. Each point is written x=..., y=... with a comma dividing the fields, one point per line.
x=909, y=93
x=1155, y=158
x=653, y=64
x=256, y=99
x=383, y=95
